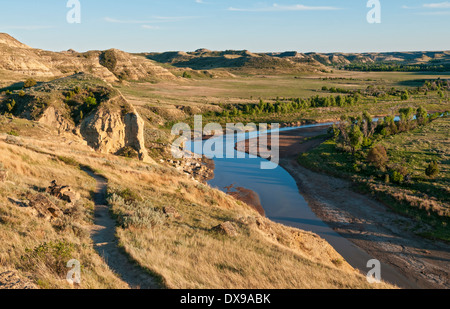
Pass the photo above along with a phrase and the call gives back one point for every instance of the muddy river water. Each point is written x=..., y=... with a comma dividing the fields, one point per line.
x=281, y=199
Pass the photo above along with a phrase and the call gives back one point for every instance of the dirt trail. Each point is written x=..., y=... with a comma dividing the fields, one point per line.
x=367, y=223
x=106, y=244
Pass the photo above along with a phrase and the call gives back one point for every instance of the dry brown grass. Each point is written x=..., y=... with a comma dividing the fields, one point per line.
x=185, y=252
x=21, y=229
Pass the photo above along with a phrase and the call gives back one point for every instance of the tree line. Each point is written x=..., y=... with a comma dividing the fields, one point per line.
x=360, y=135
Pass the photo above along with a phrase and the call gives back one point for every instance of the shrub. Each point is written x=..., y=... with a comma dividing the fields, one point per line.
x=10, y=106
x=128, y=196
x=378, y=156
x=421, y=116
x=53, y=255
x=367, y=142
x=334, y=132
x=144, y=217
x=29, y=83
x=90, y=101
x=397, y=177
x=108, y=60
x=356, y=138
x=133, y=213
x=68, y=161
x=405, y=95
x=432, y=170
x=13, y=133
x=128, y=152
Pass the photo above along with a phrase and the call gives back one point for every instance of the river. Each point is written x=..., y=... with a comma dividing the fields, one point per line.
x=282, y=201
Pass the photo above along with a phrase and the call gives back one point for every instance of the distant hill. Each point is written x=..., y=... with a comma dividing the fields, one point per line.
x=114, y=65
x=292, y=61
x=110, y=65
x=236, y=61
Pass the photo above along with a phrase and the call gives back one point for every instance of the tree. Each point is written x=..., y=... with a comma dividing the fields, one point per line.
x=421, y=116
x=397, y=177
x=378, y=156
x=90, y=101
x=29, y=83
x=405, y=95
x=432, y=170
x=10, y=106
x=406, y=116
x=356, y=138
x=334, y=132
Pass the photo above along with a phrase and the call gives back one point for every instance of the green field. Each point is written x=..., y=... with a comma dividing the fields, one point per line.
x=206, y=95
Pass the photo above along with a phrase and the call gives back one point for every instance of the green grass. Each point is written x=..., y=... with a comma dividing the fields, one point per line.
x=223, y=92
x=424, y=199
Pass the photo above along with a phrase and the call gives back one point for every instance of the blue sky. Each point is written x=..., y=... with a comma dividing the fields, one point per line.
x=259, y=26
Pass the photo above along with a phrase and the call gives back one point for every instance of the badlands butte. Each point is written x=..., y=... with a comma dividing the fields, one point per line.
x=86, y=171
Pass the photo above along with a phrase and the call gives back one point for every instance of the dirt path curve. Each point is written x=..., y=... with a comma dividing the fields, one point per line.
x=106, y=244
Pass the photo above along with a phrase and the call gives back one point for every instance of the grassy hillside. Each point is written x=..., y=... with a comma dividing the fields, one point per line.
x=166, y=220
x=38, y=249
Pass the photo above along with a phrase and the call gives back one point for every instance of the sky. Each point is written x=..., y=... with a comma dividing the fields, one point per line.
x=259, y=26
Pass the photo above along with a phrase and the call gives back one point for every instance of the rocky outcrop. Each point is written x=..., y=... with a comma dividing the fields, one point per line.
x=109, y=130
x=104, y=131
x=54, y=118
x=64, y=193
x=201, y=169
x=20, y=58
x=226, y=228
x=108, y=125
x=171, y=212
x=45, y=208
x=130, y=67
x=134, y=134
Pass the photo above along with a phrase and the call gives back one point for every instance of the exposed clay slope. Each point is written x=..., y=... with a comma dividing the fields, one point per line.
x=131, y=67
x=16, y=57
x=108, y=123
x=233, y=60
x=288, y=61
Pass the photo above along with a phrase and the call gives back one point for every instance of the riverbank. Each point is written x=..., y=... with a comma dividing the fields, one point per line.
x=251, y=198
x=367, y=223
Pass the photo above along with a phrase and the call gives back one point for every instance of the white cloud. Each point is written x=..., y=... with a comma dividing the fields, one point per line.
x=435, y=13
x=118, y=21
x=409, y=7
x=32, y=27
x=285, y=8
x=441, y=5
x=149, y=27
x=153, y=20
